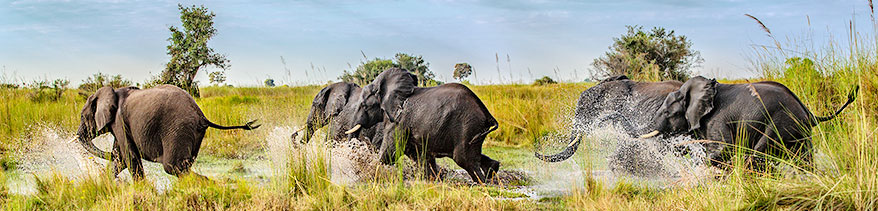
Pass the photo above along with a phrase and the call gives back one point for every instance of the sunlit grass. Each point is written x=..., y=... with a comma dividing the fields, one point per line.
x=845, y=175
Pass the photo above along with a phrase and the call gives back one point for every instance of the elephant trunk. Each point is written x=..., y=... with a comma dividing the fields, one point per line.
x=563, y=155
x=94, y=150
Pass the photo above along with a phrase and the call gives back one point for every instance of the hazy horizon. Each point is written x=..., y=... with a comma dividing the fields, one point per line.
x=75, y=39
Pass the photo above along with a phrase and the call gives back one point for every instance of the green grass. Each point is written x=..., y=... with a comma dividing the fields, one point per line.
x=845, y=177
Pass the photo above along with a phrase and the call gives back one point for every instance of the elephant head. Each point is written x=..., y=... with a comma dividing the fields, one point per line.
x=385, y=96
x=329, y=103
x=96, y=117
x=683, y=110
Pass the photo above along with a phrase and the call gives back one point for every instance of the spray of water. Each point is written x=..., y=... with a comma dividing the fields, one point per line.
x=610, y=153
x=49, y=151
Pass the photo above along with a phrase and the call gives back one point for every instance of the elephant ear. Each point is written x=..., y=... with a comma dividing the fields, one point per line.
x=105, y=107
x=397, y=85
x=337, y=101
x=700, y=92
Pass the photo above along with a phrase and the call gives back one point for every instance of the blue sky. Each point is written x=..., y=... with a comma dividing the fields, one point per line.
x=74, y=39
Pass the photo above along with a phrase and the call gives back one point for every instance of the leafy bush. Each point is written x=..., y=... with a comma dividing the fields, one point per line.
x=545, y=80
x=269, y=82
x=462, y=71
x=658, y=54
x=367, y=71
x=98, y=80
x=42, y=91
x=8, y=86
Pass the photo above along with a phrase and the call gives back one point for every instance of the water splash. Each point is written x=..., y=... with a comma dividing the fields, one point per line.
x=349, y=161
x=49, y=151
x=609, y=153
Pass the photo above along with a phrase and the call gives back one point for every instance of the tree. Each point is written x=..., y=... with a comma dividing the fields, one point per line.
x=416, y=65
x=367, y=71
x=189, y=51
x=462, y=70
x=98, y=80
x=545, y=80
x=269, y=82
x=217, y=77
x=657, y=54
x=43, y=90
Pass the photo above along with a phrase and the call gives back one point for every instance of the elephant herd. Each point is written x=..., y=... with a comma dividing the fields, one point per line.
x=396, y=117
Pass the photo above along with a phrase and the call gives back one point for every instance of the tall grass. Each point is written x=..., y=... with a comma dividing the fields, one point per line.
x=845, y=175
x=524, y=112
x=844, y=178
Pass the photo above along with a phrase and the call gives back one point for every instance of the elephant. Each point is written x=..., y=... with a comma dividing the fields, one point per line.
x=615, y=100
x=429, y=122
x=765, y=117
x=335, y=106
x=161, y=124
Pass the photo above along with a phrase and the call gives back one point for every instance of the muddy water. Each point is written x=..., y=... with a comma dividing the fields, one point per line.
x=603, y=156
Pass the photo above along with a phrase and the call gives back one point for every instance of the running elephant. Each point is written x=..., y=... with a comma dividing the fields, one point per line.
x=763, y=116
x=335, y=106
x=161, y=124
x=615, y=101
x=433, y=122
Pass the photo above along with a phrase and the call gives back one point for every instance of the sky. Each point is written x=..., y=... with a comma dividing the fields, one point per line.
x=318, y=40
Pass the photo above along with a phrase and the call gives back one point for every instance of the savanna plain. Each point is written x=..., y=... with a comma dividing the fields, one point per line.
x=264, y=170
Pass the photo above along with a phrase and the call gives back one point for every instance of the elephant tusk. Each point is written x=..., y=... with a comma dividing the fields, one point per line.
x=352, y=130
x=651, y=134
x=73, y=140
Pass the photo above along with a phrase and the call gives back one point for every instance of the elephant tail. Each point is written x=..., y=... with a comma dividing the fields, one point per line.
x=851, y=97
x=249, y=126
x=563, y=155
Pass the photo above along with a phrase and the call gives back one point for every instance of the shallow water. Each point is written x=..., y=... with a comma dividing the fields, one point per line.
x=50, y=151
x=609, y=154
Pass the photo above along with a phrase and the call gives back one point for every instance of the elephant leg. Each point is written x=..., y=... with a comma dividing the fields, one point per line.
x=134, y=163
x=803, y=150
x=130, y=154
x=489, y=167
x=426, y=161
x=471, y=161
x=180, y=153
x=387, y=151
x=115, y=166
x=760, y=150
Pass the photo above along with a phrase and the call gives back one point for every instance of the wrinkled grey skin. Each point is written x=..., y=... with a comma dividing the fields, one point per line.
x=335, y=106
x=622, y=101
x=772, y=118
x=161, y=124
x=434, y=122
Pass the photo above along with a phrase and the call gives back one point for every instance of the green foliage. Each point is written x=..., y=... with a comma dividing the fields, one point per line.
x=545, y=80
x=189, y=51
x=43, y=90
x=8, y=86
x=217, y=77
x=462, y=70
x=417, y=66
x=658, y=54
x=368, y=70
x=98, y=80
x=269, y=82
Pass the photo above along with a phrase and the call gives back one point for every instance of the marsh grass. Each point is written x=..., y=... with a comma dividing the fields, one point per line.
x=844, y=175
